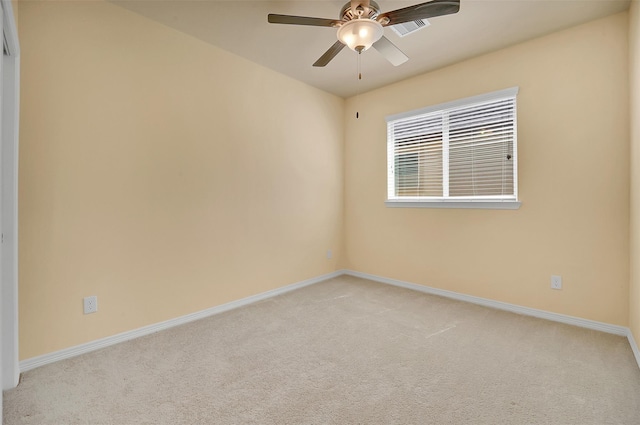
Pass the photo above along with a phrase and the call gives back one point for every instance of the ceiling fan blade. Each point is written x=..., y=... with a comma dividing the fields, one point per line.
x=301, y=20
x=390, y=51
x=426, y=10
x=329, y=54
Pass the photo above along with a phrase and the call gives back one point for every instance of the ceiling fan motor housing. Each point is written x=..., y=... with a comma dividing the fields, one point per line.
x=369, y=12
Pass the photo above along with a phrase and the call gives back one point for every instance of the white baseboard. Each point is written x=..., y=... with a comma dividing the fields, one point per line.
x=527, y=311
x=634, y=347
x=66, y=353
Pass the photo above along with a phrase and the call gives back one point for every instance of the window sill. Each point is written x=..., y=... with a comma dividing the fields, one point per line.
x=490, y=205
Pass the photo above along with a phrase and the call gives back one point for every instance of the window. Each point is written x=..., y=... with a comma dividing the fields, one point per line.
x=461, y=154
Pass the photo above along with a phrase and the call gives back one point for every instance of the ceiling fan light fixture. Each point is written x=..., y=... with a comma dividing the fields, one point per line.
x=360, y=34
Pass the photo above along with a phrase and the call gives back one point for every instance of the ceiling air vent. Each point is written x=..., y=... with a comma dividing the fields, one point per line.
x=407, y=28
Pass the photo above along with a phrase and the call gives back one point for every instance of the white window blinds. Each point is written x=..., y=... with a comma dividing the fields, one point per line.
x=464, y=150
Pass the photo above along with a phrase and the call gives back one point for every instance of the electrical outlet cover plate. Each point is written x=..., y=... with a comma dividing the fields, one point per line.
x=556, y=282
x=90, y=304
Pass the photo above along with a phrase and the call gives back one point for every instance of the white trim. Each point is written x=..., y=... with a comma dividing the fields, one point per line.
x=10, y=30
x=527, y=311
x=445, y=156
x=510, y=92
x=492, y=205
x=88, y=347
x=3, y=284
x=634, y=347
x=515, y=149
x=10, y=128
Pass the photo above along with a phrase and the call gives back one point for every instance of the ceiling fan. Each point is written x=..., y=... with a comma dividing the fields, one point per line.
x=361, y=26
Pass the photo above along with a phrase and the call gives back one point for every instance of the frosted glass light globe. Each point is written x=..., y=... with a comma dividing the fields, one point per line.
x=360, y=34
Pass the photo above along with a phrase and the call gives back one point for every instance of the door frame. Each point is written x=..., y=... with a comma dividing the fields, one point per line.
x=9, y=368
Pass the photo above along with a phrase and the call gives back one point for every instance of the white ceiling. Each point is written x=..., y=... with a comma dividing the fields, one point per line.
x=481, y=26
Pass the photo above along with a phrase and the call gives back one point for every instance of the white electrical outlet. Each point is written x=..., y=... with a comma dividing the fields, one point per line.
x=329, y=254
x=556, y=282
x=90, y=304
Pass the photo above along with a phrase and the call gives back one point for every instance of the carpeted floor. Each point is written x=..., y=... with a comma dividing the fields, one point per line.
x=344, y=351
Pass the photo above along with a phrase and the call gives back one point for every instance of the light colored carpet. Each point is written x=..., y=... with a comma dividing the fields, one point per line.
x=344, y=351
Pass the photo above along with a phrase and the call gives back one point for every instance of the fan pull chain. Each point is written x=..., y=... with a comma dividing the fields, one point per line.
x=359, y=79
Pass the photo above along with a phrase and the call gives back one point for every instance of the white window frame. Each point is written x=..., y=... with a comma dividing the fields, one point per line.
x=483, y=202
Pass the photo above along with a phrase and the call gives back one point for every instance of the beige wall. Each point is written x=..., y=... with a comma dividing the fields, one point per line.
x=573, y=135
x=634, y=73
x=161, y=174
